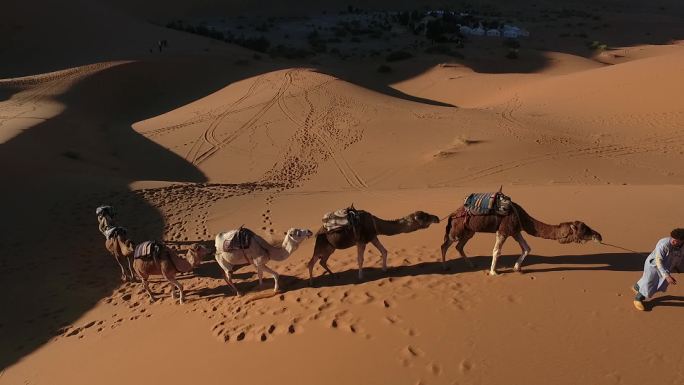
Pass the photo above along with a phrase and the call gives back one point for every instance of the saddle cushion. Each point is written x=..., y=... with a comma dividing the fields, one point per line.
x=340, y=218
x=239, y=239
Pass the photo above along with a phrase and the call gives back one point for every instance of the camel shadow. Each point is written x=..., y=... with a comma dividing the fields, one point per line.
x=532, y=264
x=603, y=261
x=667, y=301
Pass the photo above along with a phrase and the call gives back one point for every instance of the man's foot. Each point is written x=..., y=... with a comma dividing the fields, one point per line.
x=639, y=305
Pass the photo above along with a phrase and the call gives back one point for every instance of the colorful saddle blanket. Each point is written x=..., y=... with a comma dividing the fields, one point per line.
x=341, y=218
x=239, y=239
x=147, y=250
x=487, y=203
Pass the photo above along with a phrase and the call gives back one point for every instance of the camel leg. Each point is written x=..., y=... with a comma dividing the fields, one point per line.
x=124, y=277
x=260, y=273
x=500, y=239
x=324, y=264
x=228, y=274
x=130, y=267
x=360, y=249
x=310, y=265
x=147, y=289
x=460, y=245
x=172, y=279
x=525, y=251
x=445, y=246
x=376, y=242
x=275, y=275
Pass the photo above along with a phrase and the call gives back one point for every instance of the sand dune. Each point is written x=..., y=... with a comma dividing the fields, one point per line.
x=206, y=137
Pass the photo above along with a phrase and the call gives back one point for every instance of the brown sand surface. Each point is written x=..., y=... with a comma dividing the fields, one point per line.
x=206, y=137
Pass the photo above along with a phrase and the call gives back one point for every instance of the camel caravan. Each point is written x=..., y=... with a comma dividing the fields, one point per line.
x=341, y=229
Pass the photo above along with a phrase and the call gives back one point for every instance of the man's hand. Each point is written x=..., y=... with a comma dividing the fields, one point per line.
x=671, y=280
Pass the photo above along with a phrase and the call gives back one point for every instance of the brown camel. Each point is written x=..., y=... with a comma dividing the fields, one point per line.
x=167, y=263
x=368, y=229
x=461, y=227
x=121, y=247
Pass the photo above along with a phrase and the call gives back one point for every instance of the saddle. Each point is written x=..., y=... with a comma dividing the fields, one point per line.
x=241, y=239
x=148, y=250
x=349, y=218
x=487, y=203
x=341, y=218
x=113, y=231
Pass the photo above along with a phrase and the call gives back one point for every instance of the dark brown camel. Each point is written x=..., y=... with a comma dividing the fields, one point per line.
x=368, y=230
x=461, y=227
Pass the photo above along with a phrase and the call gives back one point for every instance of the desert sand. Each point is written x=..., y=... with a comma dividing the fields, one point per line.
x=207, y=136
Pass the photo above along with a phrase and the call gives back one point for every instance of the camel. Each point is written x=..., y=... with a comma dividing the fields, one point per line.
x=258, y=253
x=368, y=229
x=461, y=226
x=121, y=247
x=166, y=262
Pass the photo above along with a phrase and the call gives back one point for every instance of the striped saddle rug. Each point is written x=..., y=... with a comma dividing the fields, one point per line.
x=487, y=203
x=147, y=250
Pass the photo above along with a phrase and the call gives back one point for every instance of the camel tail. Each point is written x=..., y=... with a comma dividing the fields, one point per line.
x=448, y=227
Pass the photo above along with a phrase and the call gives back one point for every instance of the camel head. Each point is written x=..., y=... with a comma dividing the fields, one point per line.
x=297, y=235
x=196, y=254
x=421, y=219
x=105, y=214
x=578, y=232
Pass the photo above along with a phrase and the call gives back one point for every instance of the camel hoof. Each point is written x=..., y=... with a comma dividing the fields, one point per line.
x=493, y=273
x=517, y=268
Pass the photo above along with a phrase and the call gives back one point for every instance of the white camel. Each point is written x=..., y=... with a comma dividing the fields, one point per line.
x=258, y=253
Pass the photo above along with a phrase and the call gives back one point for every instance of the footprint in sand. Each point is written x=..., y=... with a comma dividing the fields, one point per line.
x=434, y=369
x=465, y=366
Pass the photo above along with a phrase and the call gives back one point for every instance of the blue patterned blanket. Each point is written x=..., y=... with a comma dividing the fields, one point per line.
x=487, y=203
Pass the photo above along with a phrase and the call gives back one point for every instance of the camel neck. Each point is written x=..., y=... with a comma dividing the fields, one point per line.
x=393, y=227
x=537, y=228
x=287, y=248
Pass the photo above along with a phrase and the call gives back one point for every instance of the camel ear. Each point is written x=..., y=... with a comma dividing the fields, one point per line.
x=573, y=227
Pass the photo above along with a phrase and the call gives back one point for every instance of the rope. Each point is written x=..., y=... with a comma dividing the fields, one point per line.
x=622, y=248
